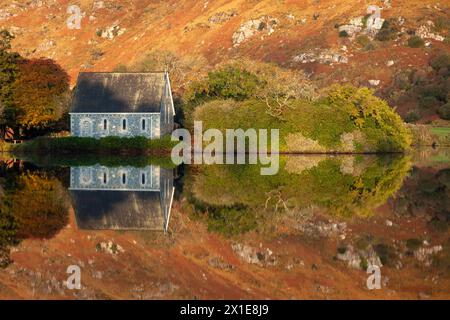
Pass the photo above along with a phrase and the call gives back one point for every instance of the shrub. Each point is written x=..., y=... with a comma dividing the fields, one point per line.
x=365, y=19
x=412, y=117
x=428, y=102
x=8, y=228
x=413, y=244
x=415, y=42
x=232, y=221
x=440, y=61
x=419, y=77
x=382, y=126
x=387, y=32
x=442, y=23
x=107, y=145
x=384, y=35
x=229, y=82
x=402, y=80
x=343, y=34
x=386, y=253
x=437, y=90
x=370, y=47
x=320, y=124
x=363, y=40
x=444, y=111
x=121, y=68
x=244, y=80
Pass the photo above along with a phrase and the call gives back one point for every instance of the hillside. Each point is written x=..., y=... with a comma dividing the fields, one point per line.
x=296, y=34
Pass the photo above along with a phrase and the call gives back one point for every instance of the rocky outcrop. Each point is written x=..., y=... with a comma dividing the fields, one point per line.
x=109, y=247
x=370, y=26
x=264, y=25
x=5, y=15
x=47, y=45
x=355, y=26
x=326, y=56
x=260, y=257
x=323, y=229
x=425, y=32
x=98, y=5
x=223, y=16
x=424, y=254
x=359, y=259
x=111, y=32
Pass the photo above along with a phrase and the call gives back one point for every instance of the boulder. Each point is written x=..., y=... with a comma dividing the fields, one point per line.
x=326, y=56
x=223, y=16
x=252, y=27
x=425, y=32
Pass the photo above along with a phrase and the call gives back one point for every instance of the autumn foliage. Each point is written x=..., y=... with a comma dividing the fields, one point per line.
x=40, y=93
x=34, y=94
x=46, y=214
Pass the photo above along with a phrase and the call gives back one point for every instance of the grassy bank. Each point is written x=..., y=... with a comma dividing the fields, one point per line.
x=426, y=135
x=90, y=146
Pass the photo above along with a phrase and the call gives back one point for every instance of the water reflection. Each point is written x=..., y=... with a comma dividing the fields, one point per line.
x=341, y=186
x=34, y=205
x=122, y=198
x=319, y=216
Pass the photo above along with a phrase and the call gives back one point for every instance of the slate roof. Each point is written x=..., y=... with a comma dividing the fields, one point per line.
x=118, y=92
x=118, y=210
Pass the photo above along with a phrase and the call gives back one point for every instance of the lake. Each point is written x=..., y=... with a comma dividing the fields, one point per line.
x=146, y=229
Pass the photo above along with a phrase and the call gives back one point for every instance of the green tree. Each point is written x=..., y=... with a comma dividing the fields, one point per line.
x=381, y=125
x=8, y=74
x=247, y=79
x=444, y=111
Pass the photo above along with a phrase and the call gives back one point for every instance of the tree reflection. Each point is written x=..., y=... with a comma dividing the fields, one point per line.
x=39, y=205
x=340, y=186
x=426, y=193
x=34, y=204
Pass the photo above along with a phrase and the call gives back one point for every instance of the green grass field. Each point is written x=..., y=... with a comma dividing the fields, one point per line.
x=441, y=131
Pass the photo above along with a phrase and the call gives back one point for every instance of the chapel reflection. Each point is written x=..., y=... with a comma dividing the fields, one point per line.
x=122, y=198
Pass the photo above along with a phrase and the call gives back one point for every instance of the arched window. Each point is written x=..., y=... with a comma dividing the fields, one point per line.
x=143, y=125
x=124, y=124
x=124, y=178
x=143, y=178
x=105, y=178
x=105, y=124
